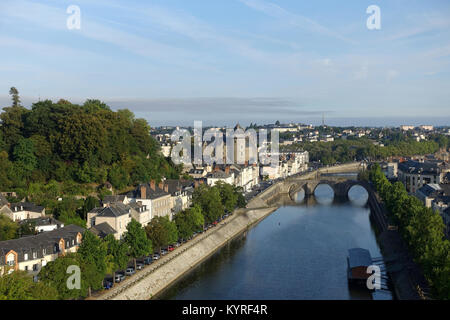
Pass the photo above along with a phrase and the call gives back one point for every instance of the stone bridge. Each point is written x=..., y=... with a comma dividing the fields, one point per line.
x=340, y=185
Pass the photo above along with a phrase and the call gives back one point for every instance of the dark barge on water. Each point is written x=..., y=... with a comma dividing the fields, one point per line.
x=358, y=262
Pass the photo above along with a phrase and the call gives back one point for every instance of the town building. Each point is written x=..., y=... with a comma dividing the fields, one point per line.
x=415, y=174
x=34, y=252
x=218, y=175
x=181, y=192
x=21, y=210
x=44, y=224
x=155, y=197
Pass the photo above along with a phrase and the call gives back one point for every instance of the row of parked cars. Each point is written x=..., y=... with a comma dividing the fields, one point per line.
x=148, y=260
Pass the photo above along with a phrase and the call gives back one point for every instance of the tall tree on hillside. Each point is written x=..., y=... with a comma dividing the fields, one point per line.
x=14, y=93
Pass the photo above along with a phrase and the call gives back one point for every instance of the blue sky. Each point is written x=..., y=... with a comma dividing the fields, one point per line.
x=228, y=61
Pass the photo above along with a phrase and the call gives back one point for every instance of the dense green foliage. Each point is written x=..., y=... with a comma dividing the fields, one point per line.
x=136, y=240
x=359, y=149
x=8, y=228
x=20, y=286
x=55, y=274
x=162, y=232
x=92, y=253
x=189, y=221
x=421, y=227
x=84, y=143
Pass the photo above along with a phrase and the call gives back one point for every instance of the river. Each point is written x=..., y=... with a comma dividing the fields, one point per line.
x=298, y=252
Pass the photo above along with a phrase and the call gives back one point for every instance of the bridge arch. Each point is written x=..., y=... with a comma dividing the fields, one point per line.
x=340, y=188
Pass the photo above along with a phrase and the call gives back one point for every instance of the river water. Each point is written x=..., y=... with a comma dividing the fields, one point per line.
x=297, y=252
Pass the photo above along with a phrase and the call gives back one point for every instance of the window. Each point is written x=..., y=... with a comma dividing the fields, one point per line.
x=26, y=268
x=25, y=256
x=44, y=251
x=35, y=267
x=34, y=254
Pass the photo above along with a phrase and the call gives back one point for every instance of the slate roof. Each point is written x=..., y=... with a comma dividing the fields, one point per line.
x=26, y=206
x=178, y=185
x=3, y=200
x=116, y=209
x=46, y=240
x=150, y=193
x=426, y=168
x=431, y=190
x=219, y=175
x=102, y=230
x=359, y=257
x=44, y=221
x=111, y=199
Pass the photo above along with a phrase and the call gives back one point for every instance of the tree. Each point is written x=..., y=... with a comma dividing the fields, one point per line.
x=117, y=255
x=189, y=221
x=8, y=228
x=5, y=169
x=55, y=275
x=162, y=232
x=20, y=286
x=89, y=204
x=92, y=252
x=24, y=156
x=209, y=200
x=228, y=195
x=136, y=240
x=14, y=93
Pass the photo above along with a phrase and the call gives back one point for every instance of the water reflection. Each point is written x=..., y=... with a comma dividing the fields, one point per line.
x=358, y=195
x=324, y=194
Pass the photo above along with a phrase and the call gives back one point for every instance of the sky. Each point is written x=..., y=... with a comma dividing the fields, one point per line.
x=227, y=61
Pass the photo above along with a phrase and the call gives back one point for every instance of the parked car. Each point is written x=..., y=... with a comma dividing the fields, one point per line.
x=156, y=256
x=170, y=248
x=139, y=266
x=177, y=244
x=119, y=277
x=147, y=260
x=164, y=252
x=130, y=271
x=215, y=223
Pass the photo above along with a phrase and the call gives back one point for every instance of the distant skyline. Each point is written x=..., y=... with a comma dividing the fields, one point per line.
x=222, y=62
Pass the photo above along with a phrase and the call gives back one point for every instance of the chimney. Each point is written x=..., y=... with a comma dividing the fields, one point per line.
x=246, y=163
x=227, y=169
x=152, y=185
x=166, y=188
x=143, y=191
